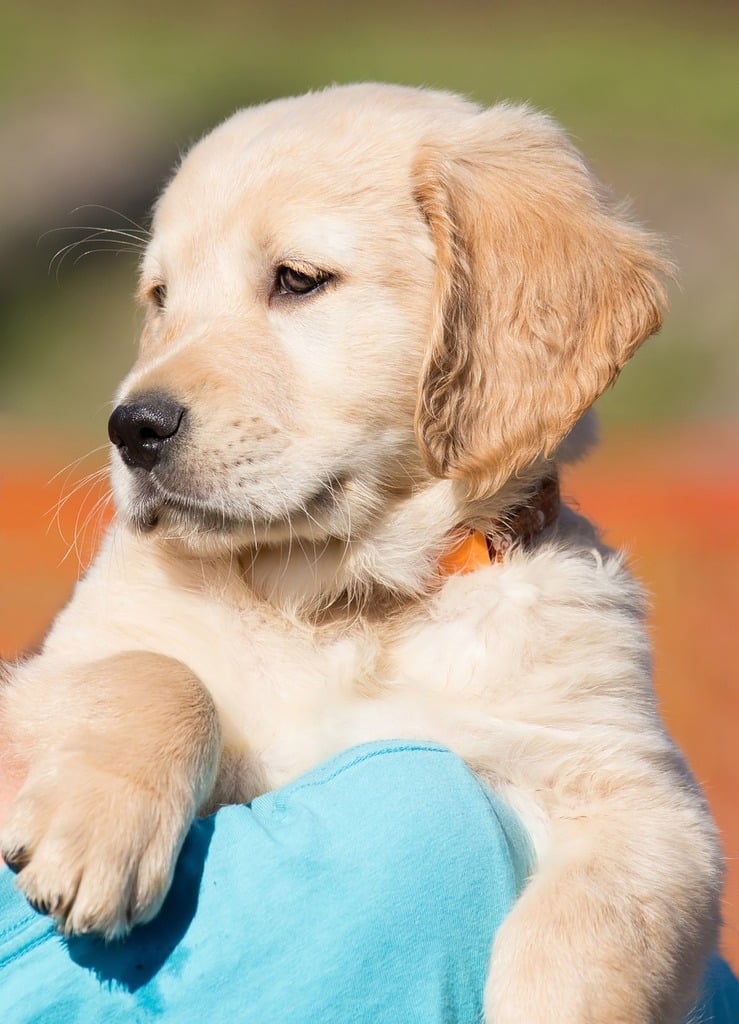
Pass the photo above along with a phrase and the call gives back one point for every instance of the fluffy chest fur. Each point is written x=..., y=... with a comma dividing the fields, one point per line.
x=549, y=643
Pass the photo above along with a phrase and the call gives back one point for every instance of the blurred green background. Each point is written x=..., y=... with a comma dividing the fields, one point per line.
x=97, y=101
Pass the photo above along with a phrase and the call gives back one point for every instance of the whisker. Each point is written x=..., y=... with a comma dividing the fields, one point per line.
x=56, y=520
x=59, y=257
x=87, y=481
x=138, y=237
x=254, y=529
x=116, y=213
x=105, y=238
x=93, y=517
x=115, y=252
x=75, y=462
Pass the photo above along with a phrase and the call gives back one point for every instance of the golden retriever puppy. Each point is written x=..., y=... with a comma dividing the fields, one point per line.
x=374, y=317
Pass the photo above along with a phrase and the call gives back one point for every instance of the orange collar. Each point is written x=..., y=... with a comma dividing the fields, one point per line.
x=475, y=549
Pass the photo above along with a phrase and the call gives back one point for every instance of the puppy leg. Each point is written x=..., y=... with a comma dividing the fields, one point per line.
x=120, y=753
x=618, y=920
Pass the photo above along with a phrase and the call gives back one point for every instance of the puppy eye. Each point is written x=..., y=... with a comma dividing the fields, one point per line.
x=296, y=282
x=158, y=295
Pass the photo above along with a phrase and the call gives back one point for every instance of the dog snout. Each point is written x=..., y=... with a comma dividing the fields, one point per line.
x=141, y=429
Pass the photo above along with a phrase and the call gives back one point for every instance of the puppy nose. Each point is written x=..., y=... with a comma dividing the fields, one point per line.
x=140, y=429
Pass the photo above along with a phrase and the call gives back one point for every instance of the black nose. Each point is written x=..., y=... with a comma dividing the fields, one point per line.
x=141, y=429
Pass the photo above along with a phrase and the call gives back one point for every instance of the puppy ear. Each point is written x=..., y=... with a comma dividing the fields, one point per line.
x=543, y=292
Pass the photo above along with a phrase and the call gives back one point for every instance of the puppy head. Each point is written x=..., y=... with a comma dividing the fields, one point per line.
x=313, y=260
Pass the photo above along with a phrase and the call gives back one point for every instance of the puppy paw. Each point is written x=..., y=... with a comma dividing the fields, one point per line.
x=542, y=972
x=95, y=852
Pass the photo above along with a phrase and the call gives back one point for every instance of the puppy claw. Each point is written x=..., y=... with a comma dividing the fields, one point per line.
x=16, y=858
x=43, y=904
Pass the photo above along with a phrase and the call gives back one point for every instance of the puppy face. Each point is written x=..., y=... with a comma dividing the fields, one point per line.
x=352, y=292
x=288, y=284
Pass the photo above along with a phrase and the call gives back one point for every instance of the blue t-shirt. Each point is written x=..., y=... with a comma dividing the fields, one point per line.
x=367, y=891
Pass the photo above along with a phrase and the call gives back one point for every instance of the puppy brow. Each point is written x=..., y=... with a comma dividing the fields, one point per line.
x=322, y=241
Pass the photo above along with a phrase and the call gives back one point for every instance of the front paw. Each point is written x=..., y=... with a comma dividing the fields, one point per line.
x=92, y=850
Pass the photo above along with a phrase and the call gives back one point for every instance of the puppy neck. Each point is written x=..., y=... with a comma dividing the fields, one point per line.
x=396, y=562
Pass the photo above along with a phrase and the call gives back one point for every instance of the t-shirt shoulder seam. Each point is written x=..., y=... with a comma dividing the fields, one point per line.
x=332, y=770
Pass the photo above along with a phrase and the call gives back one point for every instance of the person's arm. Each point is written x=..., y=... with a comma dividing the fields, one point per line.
x=367, y=891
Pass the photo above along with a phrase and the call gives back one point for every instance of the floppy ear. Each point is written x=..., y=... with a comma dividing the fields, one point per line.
x=543, y=292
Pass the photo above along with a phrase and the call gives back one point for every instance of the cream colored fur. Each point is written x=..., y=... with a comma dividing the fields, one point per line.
x=269, y=596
